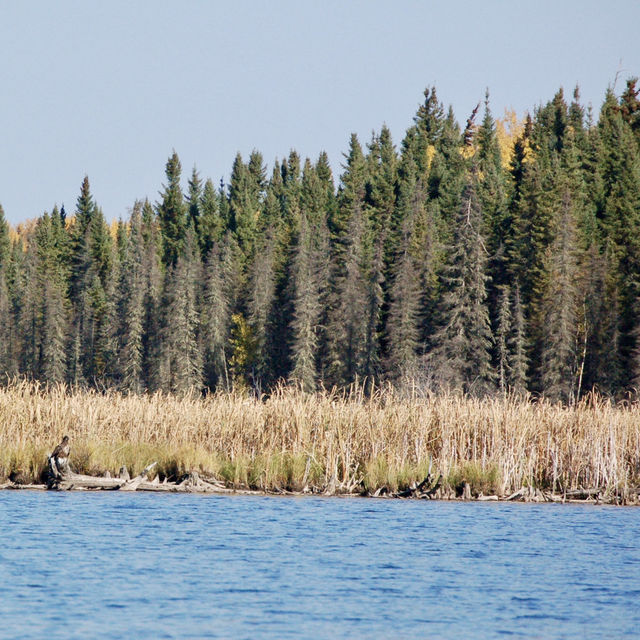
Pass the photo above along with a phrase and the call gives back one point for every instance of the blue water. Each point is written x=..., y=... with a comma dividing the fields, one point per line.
x=111, y=565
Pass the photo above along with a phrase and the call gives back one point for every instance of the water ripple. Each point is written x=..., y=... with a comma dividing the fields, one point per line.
x=147, y=566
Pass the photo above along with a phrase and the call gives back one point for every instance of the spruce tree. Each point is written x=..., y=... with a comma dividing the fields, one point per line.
x=306, y=306
x=5, y=324
x=152, y=291
x=172, y=213
x=4, y=239
x=310, y=270
x=261, y=297
x=211, y=225
x=493, y=198
x=216, y=319
x=518, y=361
x=460, y=352
x=620, y=217
x=194, y=198
x=403, y=321
x=558, y=354
x=132, y=309
x=181, y=357
x=246, y=192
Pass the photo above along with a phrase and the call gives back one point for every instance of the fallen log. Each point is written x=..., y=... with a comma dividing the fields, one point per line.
x=516, y=495
x=424, y=489
x=61, y=478
x=583, y=493
x=132, y=485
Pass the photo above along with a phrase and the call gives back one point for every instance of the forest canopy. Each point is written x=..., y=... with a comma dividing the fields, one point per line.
x=498, y=256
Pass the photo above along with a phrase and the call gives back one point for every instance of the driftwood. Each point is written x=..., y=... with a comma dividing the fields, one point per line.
x=425, y=489
x=62, y=478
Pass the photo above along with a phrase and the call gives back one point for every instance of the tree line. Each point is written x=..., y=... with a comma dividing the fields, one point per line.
x=469, y=258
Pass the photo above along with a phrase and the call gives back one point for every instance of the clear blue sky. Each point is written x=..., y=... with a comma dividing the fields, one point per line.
x=108, y=89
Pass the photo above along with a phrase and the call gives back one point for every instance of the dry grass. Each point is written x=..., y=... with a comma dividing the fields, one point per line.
x=294, y=439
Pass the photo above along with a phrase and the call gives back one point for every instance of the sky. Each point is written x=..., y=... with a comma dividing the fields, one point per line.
x=110, y=89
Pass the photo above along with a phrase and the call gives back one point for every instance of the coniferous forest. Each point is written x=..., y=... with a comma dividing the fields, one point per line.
x=495, y=256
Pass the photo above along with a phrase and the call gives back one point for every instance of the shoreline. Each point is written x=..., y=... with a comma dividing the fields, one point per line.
x=525, y=495
x=425, y=447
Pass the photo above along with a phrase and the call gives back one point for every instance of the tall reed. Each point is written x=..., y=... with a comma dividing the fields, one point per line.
x=329, y=439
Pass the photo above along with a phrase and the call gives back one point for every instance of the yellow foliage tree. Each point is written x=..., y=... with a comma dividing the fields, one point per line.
x=245, y=351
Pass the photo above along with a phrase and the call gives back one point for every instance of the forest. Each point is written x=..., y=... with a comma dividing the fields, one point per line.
x=502, y=256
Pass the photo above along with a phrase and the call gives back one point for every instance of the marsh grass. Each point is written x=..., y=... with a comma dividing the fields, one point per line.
x=293, y=440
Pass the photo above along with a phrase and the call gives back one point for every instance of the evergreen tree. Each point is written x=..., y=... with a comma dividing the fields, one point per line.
x=5, y=244
x=211, y=225
x=246, y=193
x=152, y=291
x=132, y=308
x=6, y=359
x=310, y=271
x=558, y=355
x=460, y=351
x=216, y=319
x=403, y=323
x=518, y=361
x=493, y=199
x=194, y=198
x=81, y=276
x=350, y=196
x=181, y=357
x=261, y=297
x=348, y=321
x=172, y=213
x=54, y=311
x=306, y=310
x=630, y=107
x=620, y=217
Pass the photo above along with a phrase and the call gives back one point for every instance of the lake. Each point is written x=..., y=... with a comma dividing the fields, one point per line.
x=116, y=565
